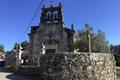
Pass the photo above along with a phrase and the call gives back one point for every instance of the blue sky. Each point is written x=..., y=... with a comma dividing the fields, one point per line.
x=100, y=14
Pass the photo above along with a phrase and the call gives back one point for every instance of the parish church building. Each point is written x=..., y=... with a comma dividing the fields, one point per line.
x=50, y=36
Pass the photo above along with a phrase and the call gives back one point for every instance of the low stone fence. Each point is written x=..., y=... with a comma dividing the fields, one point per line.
x=28, y=70
x=84, y=66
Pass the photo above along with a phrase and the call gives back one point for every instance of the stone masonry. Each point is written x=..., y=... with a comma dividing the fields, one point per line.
x=50, y=35
x=83, y=66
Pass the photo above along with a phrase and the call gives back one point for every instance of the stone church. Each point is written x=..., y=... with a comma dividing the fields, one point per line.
x=50, y=36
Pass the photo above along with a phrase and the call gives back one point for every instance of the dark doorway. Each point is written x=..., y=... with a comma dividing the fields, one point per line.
x=50, y=51
x=2, y=63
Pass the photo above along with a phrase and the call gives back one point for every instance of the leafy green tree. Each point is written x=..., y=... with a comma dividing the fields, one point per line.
x=15, y=46
x=25, y=45
x=97, y=40
x=101, y=45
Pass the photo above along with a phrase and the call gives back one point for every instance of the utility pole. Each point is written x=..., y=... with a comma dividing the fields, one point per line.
x=88, y=31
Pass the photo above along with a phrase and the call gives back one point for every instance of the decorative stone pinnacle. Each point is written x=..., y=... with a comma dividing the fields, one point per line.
x=43, y=5
x=72, y=26
x=60, y=5
x=51, y=1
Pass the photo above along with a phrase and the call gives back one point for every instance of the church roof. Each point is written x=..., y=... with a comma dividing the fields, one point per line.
x=33, y=29
x=69, y=31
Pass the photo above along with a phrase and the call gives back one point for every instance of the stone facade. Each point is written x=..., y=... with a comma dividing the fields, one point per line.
x=28, y=71
x=2, y=58
x=50, y=36
x=11, y=59
x=2, y=55
x=17, y=57
x=84, y=66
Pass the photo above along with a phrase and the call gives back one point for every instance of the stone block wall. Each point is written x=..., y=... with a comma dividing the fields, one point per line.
x=84, y=66
x=28, y=70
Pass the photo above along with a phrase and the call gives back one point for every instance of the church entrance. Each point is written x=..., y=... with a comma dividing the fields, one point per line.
x=49, y=48
x=50, y=51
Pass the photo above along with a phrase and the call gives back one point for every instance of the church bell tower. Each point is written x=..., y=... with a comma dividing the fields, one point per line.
x=51, y=14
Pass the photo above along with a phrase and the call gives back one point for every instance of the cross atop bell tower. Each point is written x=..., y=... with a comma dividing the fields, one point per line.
x=51, y=14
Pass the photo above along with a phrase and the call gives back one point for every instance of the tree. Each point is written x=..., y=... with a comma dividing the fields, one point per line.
x=25, y=45
x=15, y=46
x=115, y=49
x=101, y=45
x=1, y=48
x=97, y=41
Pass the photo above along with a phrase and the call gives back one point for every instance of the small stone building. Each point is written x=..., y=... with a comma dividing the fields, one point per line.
x=2, y=58
x=2, y=55
x=50, y=36
x=17, y=57
x=11, y=59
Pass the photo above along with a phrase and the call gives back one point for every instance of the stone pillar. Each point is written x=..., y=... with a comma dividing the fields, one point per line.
x=43, y=49
x=18, y=56
x=94, y=66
